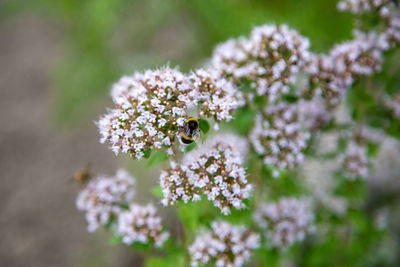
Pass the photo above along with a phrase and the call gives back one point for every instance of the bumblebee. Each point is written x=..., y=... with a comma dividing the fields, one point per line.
x=190, y=131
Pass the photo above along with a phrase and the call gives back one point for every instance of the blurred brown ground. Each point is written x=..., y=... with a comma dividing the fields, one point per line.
x=39, y=225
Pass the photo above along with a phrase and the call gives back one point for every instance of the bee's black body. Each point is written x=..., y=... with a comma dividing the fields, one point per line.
x=189, y=131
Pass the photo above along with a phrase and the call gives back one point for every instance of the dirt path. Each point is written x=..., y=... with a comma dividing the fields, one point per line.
x=39, y=225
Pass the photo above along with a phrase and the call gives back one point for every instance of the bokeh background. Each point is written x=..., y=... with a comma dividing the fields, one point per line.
x=58, y=59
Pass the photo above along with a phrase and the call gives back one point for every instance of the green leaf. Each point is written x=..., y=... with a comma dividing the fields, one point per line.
x=189, y=214
x=243, y=120
x=108, y=225
x=204, y=126
x=137, y=246
x=373, y=149
x=291, y=98
x=176, y=259
x=191, y=147
x=158, y=157
x=157, y=191
x=147, y=154
x=195, y=214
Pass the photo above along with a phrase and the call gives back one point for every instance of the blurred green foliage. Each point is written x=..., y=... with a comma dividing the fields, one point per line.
x=102, y=39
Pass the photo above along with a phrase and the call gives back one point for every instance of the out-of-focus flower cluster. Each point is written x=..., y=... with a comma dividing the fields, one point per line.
x=331, y=75
x=268, y=61
x=225, y=246
x=318, y=179
x=150, y=107
x=393, y=103
x=103, y=196
x=278, y=136
x=387, y=12
x=285, y=222
x=360, y=6
x=105, y=200
x=355, y=161
x=141, y=224
x=313, y=114
x=215, y=169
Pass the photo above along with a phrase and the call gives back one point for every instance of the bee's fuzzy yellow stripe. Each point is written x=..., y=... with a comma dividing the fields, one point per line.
x=187, y=137
x=192, y=119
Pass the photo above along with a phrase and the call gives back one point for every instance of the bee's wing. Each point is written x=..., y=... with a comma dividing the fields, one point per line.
x=199, y=137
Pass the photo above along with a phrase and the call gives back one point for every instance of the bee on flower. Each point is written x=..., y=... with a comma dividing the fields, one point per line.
x=152, y=107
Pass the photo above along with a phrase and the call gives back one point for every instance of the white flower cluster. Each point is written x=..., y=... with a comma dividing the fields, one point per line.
x=215, y=169
x=225, y=246
x=268, y=61
x=150, y=107
x=218, y=97
x=103, y=196
x=393, y=103
x=355, y=161
x=105, y=199
x=278, y=136
x=141, y=224
x=286, y=222
x=331, y=75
